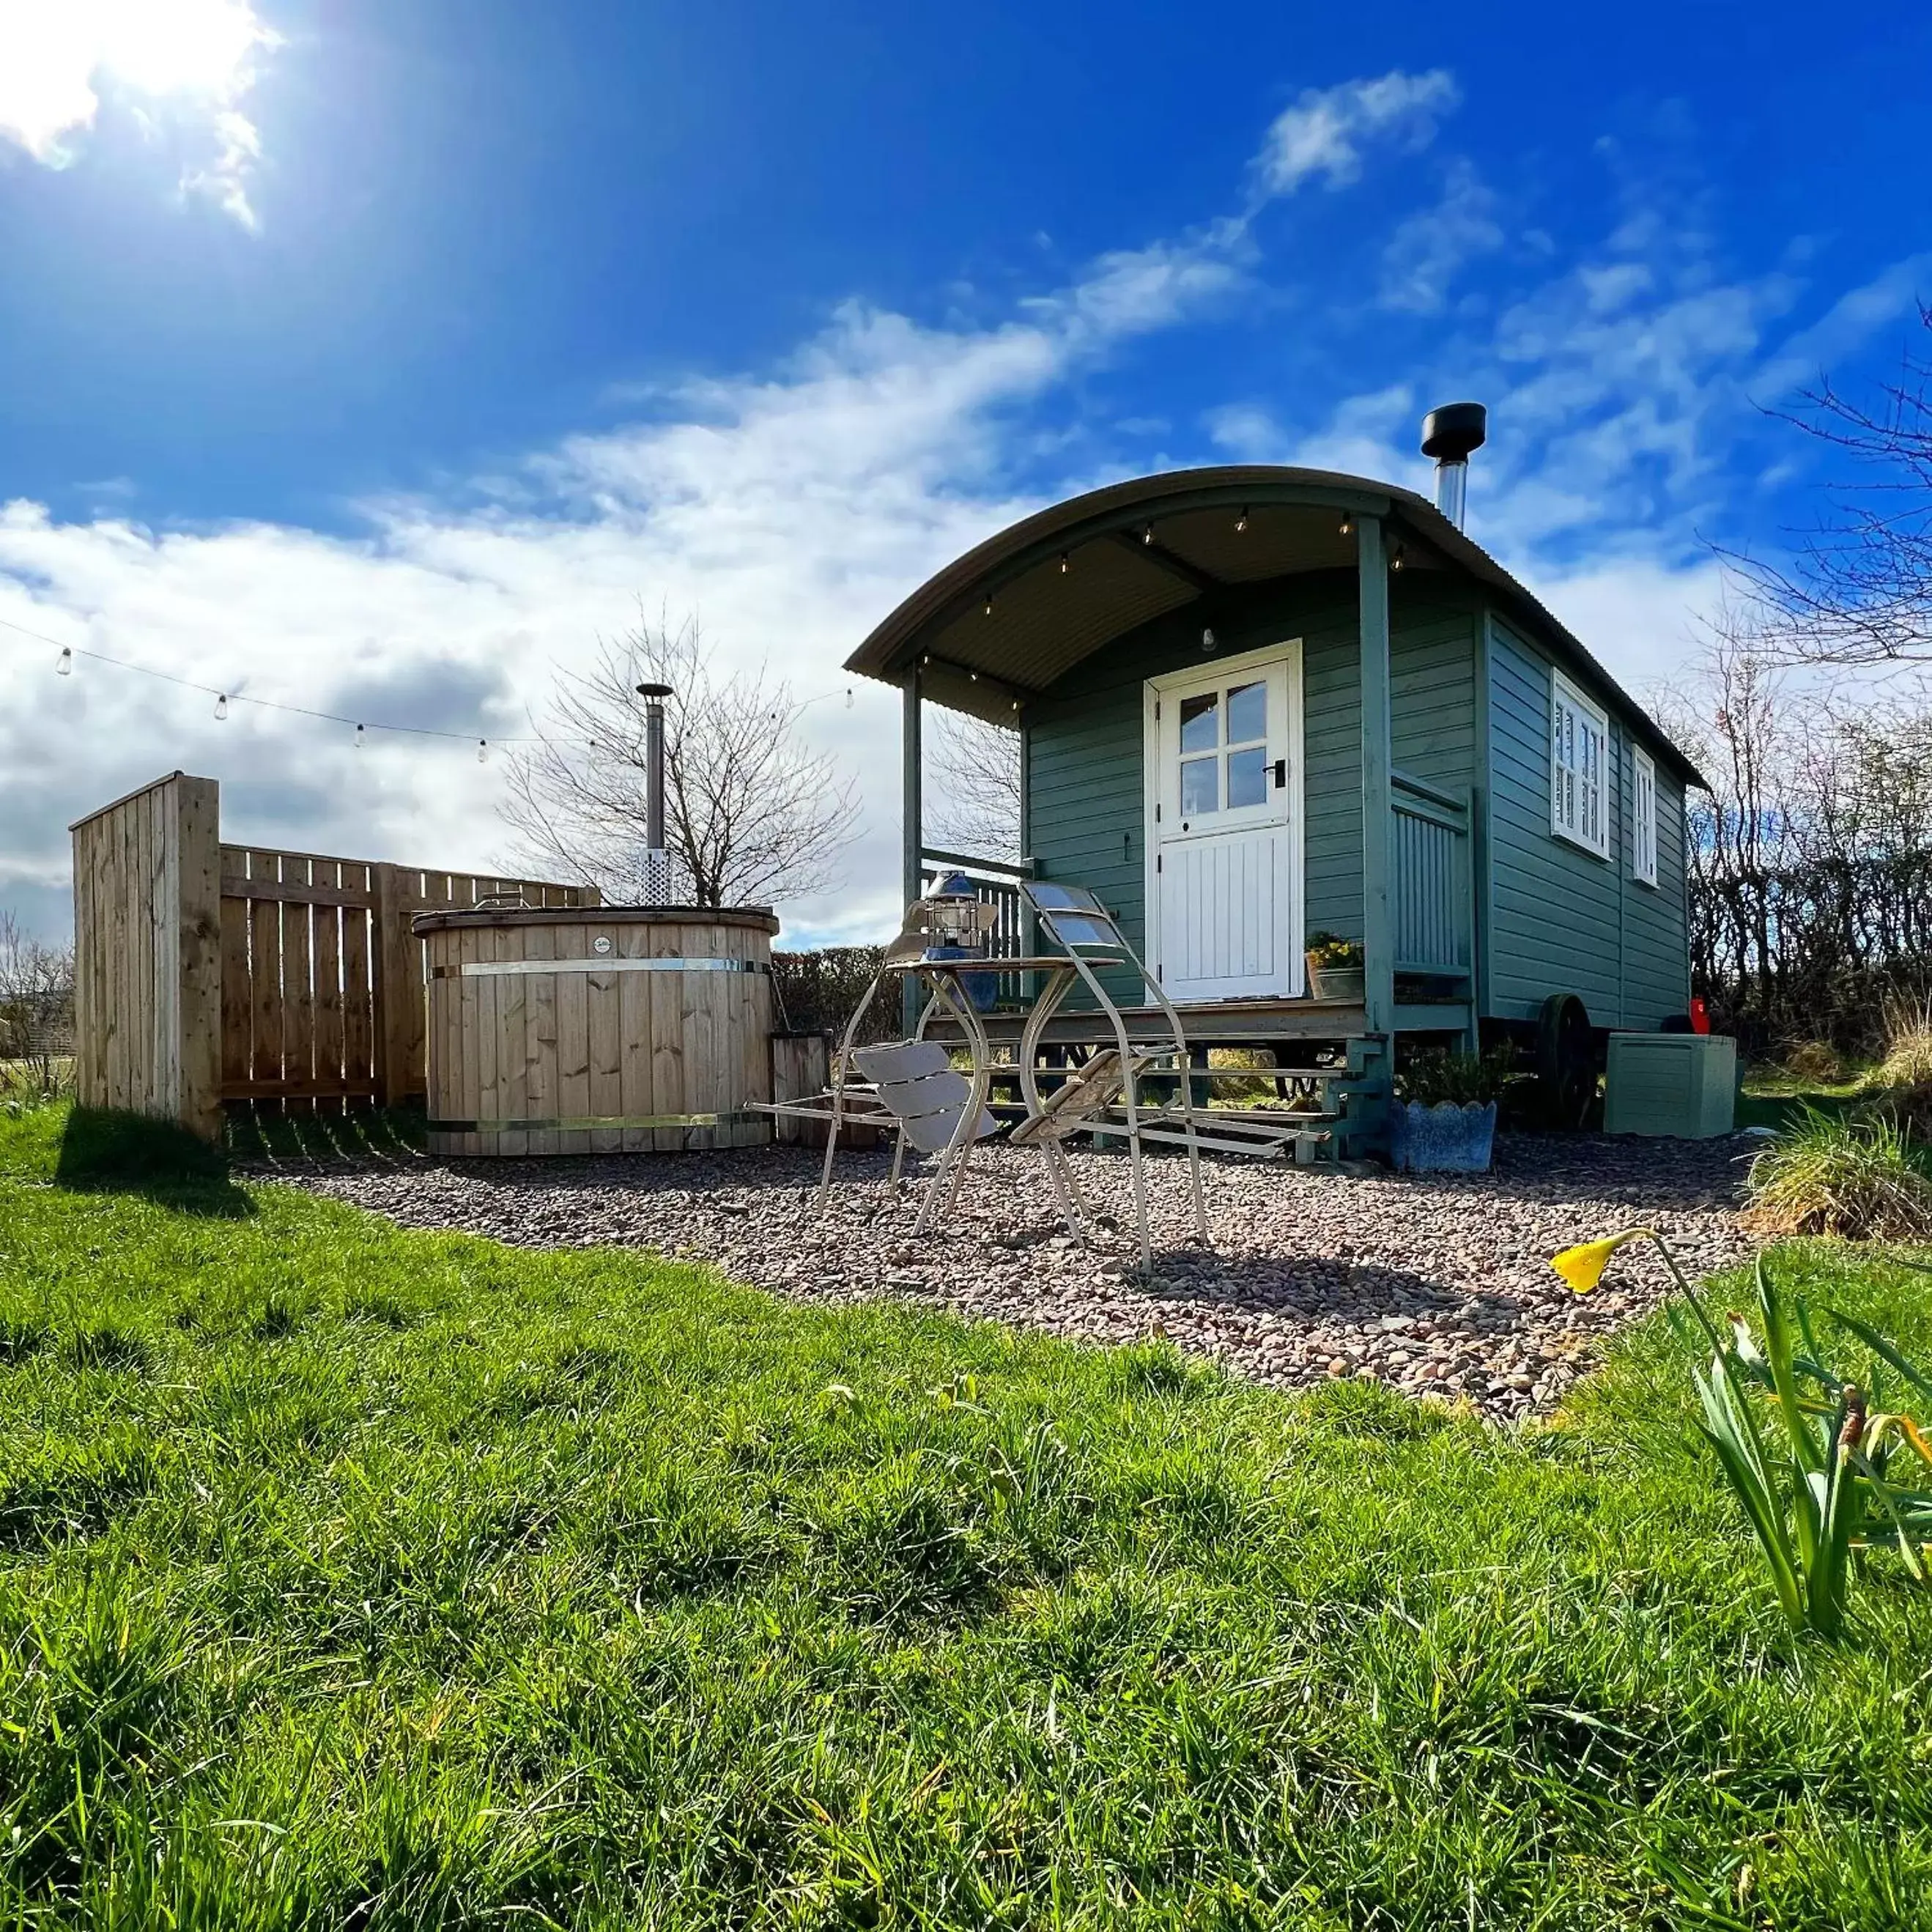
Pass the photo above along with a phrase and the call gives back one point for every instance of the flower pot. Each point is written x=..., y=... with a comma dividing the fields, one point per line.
x=1336, y=982
x=1444, y=1139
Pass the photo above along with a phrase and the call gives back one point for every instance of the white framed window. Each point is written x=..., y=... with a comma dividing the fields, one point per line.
x=1643, y=817
x=1580, y=742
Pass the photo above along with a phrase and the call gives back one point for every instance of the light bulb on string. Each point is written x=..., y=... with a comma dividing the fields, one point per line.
x=482, y=751
x=1064, y=565
x=64, y=665
x=1241, y=521
x=1396, y=561
x=361, y=735
x=221, y=705
x=1147, y=534
x=1348, y=526
x=849, y=699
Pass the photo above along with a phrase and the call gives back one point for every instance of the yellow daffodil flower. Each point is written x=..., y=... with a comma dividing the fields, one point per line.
x=1582, y=1267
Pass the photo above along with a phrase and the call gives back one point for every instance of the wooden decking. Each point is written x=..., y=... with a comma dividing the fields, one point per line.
x=1259, y=1022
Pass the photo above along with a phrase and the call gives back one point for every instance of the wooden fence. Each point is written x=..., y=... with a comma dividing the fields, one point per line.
x=208, y=973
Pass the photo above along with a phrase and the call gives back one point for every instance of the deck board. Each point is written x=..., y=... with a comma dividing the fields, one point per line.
x=1239, y=1022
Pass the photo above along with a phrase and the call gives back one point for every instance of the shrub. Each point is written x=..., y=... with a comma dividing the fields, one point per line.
x=1854, y=1177
x=816, y=992
x=1813, y=1063
x=1329, y=952
x=1462, y=1079
x=1907, y=1063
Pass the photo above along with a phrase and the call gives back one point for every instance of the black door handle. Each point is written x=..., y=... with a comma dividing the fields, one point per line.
x=1281, y=774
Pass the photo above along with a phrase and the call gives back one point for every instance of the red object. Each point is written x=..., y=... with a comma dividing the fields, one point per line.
x=1700, y=1017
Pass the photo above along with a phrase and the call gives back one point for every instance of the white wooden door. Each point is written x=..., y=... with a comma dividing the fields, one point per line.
x=1224, y=788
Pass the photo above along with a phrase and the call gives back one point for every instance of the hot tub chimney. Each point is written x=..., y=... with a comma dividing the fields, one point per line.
x=657, y=861
x=1450, y=434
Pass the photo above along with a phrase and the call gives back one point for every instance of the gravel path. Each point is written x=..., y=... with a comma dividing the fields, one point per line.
x=1439, y=1285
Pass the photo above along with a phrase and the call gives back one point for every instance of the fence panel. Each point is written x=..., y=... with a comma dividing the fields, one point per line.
x=323, y=980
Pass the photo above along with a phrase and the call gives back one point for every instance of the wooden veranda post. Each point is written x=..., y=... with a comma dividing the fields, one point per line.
x=912, y=754
x=1378, y=857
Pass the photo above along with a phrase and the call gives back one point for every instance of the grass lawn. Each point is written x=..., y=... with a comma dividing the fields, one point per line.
x=350, y=1577
x=1773, y=1096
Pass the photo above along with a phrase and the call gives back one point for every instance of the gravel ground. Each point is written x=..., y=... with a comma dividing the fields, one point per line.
x=1439, y=1285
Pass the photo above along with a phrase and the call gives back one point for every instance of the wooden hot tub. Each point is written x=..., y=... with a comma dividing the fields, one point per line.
x=599, y=1030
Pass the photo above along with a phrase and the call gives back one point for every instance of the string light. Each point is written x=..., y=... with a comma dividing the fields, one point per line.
x=1348, y=526
x=1241, y=521
x=63, y=666
x=989, y=607
x=1396, y=561
x=1147, y=534
x=1064, y=565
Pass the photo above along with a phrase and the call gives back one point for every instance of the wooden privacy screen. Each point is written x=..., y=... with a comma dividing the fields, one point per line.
x=147, y=984
x=209, y=973
x=322, y=983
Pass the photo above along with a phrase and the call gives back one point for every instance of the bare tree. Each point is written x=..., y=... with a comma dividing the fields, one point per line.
x=36, y=1005
x=974, y=769
x=1860, y=590
x=1811, y=860
x=752, y=814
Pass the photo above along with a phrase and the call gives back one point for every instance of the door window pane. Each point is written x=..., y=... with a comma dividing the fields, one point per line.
x=1200, y=787
x=1201, y=723
x=1247, y=774
x=1247, y=717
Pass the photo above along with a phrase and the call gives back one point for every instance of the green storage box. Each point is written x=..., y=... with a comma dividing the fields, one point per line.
x=1680, y=1083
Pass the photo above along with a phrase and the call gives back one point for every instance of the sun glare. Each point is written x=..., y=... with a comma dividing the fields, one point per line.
x=175, y=46
x=55, y=58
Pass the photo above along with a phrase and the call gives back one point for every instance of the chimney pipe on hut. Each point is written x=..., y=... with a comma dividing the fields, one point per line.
x=657, y=862
x=1451, y=434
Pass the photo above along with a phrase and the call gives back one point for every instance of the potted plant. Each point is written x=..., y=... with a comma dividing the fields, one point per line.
x=1445, y=1119
x=1334, y=967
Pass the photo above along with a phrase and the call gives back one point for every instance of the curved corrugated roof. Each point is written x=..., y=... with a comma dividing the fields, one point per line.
x=1136, y=550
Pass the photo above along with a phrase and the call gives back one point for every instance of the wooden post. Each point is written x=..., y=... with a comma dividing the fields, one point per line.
x=401, y=1028
x=912, y=754
x=147, y=916
x=197, y=914
x=1378, y=857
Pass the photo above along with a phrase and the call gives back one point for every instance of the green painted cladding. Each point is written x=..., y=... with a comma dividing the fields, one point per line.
x=1562, y=920
x=1084, y=771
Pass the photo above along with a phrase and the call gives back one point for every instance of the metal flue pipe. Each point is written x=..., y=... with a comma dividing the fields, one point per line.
x=1451, y=434
x=654, y=696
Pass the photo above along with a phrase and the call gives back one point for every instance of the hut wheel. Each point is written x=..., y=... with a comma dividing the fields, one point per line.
x=1566, y=1059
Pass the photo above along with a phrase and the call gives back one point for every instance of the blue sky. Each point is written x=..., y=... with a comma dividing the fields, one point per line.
x=379, y=357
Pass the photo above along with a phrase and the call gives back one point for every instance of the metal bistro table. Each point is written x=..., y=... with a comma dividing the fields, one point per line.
x=1086, y=1093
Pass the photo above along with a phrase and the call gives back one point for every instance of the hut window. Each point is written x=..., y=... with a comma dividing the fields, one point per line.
x=1643, y=818
x=1580, y=737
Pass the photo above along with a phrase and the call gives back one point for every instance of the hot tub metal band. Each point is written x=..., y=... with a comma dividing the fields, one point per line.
x=484, y=969
x=597, y=1123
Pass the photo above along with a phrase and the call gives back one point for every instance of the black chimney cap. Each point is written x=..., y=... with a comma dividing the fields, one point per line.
x=1450, y=432
x=654, y=691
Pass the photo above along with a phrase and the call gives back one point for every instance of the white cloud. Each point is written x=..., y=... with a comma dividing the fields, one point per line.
x=1427, y=250
x=192, y=60
x=794, y=510
x=1326, y=130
